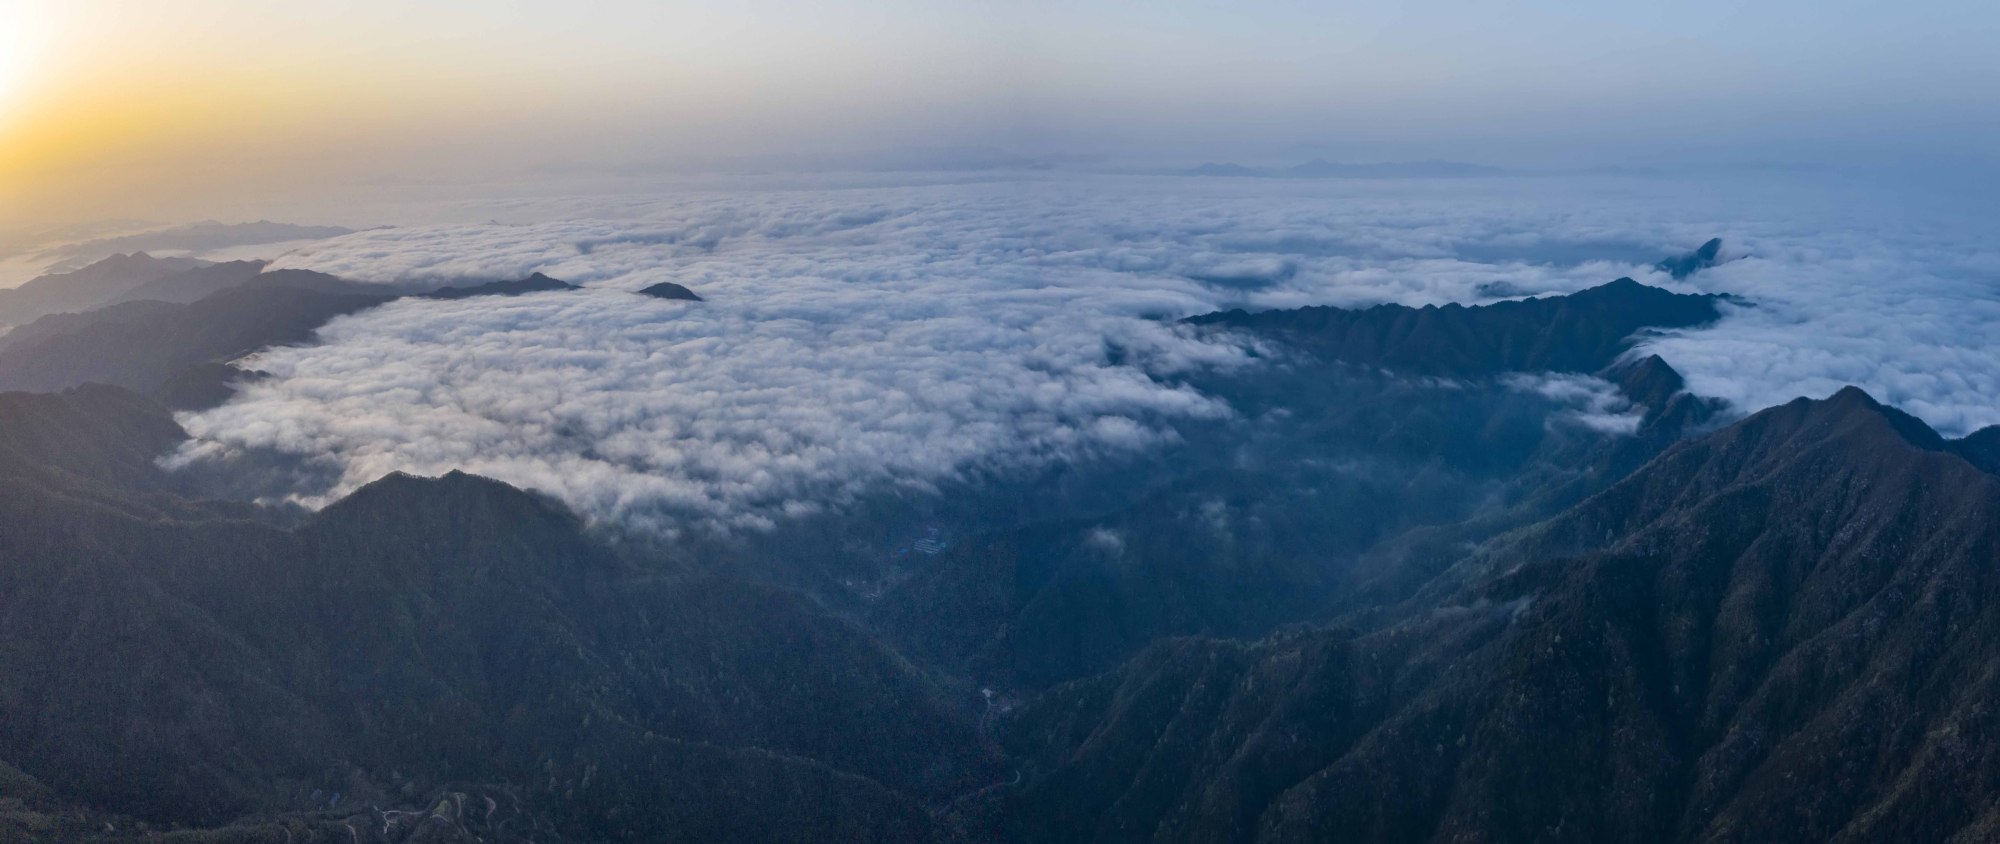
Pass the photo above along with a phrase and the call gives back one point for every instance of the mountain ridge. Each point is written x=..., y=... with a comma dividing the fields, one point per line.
x=1582, y=332
x=1548, y=633
x=99, y=283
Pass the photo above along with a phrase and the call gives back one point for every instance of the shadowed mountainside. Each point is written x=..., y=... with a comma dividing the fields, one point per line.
x=181, y=353
x=1703, y=257
x=144, y=345
x=1778, y=632
x=175, y=662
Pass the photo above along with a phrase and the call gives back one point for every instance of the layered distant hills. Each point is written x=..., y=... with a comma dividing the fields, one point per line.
x=174, y=336
x=1414, y=590
x=1320, y=168
x=101, y=283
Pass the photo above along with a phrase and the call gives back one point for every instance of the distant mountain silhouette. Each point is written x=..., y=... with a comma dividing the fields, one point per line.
x=146, y=345
x=180, y=353
x=1222, y=169
x=1703, y=257
x=194, y=284
x=423, y=631
x=670, y=290
x=1320, y=168
x=536, y=283
x=1581, y=332
x=196, y=237
x=100, y=283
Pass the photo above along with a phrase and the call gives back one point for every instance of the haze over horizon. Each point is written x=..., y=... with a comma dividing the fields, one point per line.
x=112, y=109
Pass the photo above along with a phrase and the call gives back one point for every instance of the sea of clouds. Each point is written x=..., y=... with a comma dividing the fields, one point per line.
x=860, y=338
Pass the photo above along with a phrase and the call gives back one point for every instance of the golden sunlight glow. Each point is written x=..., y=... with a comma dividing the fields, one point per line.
x=13, y=65
x=26, y=32
x=129, y=108
x=27, y=28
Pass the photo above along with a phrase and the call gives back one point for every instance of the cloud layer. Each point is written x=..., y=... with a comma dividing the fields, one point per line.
x=860, y=338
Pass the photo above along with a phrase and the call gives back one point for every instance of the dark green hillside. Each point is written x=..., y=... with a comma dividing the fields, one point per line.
x=175, y=665
x=1772, y=633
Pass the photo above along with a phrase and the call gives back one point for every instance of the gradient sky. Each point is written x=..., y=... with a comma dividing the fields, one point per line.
x=179, y=108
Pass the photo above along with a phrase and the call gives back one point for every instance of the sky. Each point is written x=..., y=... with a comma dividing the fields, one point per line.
x=240, y=109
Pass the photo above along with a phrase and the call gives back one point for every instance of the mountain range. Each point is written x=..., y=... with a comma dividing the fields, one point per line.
x=1580, y=332
x=176, y=338
x=206, y=236
x=102, y=283
x=1403, y=593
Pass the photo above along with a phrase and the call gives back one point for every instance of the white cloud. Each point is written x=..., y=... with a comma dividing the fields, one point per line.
x=1586, y=400
x=636, y=408
x=1106, y=540
x=858, y=338
x=1910, y=322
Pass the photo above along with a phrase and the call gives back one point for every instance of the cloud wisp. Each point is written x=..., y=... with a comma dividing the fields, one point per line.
x=1586, y=400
